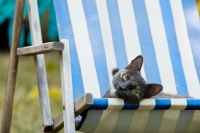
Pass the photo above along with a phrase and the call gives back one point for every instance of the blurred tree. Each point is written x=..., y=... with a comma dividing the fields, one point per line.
x=4, y=34
x=47, y=17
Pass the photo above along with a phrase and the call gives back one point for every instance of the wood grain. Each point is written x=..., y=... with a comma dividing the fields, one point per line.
x=40, y=49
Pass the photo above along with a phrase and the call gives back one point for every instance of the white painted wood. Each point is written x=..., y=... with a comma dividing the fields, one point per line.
x=40, y=65
x=178, y=104
x=67, y=92
x=147, y=104
x=115, y=104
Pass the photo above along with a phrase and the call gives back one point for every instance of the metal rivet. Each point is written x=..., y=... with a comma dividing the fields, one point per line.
x=63, y=107
x=46, y=46
x=21, y=50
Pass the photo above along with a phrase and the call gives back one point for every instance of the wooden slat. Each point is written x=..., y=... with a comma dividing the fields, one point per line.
x=41, y=49
x=80, y=105
x=58, y=123
x=83, y=103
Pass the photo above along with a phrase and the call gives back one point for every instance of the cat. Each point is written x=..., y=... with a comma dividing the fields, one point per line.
x=128, y=84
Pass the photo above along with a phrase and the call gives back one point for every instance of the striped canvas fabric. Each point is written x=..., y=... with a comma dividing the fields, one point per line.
x=105, y=34
x=151, y=116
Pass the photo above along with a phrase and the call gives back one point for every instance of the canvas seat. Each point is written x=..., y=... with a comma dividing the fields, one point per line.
x=104, y=35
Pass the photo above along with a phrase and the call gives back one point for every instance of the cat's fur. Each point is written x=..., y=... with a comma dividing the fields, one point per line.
x=128, y=84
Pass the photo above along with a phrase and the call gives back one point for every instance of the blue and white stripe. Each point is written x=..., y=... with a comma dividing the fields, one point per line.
x=111, y=33
x=187, y=60
x=105, y=34
x=129, y=26
x=161, y=45
x=146, y=117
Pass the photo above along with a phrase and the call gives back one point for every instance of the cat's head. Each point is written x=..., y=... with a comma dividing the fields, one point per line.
x=130, y=85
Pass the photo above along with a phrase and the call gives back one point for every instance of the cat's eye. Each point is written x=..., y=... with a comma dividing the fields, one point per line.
x=124, y=77
x=134, y=91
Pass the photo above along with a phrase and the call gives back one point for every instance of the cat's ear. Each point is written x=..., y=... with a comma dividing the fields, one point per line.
x=153, y=89
x=136, y=64
x=114, y=71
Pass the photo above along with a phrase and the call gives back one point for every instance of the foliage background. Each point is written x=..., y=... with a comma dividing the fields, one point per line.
x=26, y=111
x=47, y=18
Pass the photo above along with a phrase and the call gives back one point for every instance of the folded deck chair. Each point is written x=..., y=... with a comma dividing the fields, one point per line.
x=104, y=35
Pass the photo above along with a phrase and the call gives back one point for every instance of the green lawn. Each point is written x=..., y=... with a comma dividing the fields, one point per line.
x=26, y=116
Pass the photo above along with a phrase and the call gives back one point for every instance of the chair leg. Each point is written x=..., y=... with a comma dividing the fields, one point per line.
x=12, y=71
x=40, y=65
x=67, y=92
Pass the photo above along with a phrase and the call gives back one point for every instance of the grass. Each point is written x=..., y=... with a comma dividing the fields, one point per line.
x=26, y=111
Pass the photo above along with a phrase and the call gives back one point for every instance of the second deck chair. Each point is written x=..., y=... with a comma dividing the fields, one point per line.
x=107, y=34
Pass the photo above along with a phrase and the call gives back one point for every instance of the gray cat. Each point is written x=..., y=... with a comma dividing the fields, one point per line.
x=128, y=84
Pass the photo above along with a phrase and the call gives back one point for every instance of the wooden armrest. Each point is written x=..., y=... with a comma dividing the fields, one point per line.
x=83, y=103
x=40, y=49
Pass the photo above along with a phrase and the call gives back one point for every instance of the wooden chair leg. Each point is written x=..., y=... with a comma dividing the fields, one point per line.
x=40, y=66
x=12, y=71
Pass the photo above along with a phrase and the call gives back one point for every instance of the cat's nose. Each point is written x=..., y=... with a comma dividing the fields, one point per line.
x=122, y=86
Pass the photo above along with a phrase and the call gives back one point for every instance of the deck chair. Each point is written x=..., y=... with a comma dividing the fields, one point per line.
x=104, y=35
